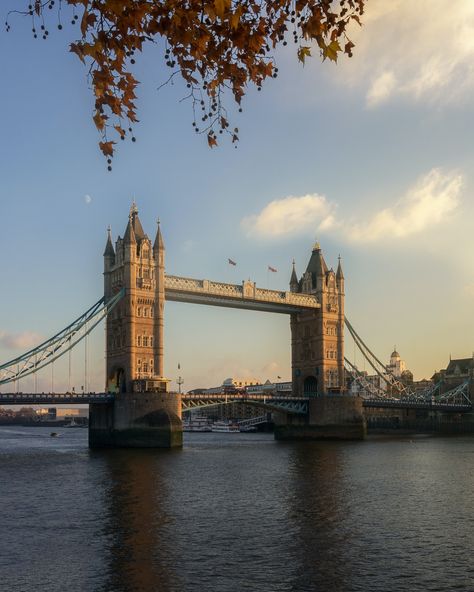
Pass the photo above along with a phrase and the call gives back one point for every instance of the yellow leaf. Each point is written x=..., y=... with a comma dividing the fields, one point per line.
x=331, y=50
x=303, y=53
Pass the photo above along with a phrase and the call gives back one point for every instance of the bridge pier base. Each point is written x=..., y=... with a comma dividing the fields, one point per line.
x=137, y=420
x=330, y=417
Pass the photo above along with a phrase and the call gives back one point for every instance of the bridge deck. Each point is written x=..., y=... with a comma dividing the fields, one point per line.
x=246, y=295
x=194, y=401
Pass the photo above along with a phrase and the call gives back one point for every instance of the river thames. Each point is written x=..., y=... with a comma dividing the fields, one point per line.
x=232, y=512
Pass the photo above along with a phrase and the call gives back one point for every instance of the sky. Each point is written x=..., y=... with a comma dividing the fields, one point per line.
x=373, y=157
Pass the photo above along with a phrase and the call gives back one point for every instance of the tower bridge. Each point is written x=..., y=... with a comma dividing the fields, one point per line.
x=137, y=408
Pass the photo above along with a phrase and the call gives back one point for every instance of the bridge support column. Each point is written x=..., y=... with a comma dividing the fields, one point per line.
x=137, y=420
x=330, y=417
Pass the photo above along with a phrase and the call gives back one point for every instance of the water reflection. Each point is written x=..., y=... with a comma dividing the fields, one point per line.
x=319, y=507
x=137, y=527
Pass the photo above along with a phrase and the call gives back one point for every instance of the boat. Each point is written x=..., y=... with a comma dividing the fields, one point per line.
x=225, y=427
x=73, y=424
x=197, y=424
x=54, y=434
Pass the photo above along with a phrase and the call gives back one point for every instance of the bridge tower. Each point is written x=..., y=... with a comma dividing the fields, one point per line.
x=317, y=337
x=317, y=358
x=143, y=412
x=134, y=331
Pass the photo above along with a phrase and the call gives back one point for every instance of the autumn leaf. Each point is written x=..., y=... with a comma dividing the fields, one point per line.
x=217, y=47
x=211, y=140
x=331, y=50
x=303, y=53
x=107, y=148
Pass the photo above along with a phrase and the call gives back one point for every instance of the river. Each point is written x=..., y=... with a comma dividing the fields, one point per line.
x=236, y=512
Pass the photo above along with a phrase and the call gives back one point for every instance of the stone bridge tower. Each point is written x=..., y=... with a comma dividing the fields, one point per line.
x=317, y=337
x=143, y=413
x=134, y=329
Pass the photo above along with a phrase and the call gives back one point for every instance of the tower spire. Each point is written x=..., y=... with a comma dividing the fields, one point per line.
x=293, y=279
x=339, y=273
x=159, y=243
x=129, y=236
x=109, y=248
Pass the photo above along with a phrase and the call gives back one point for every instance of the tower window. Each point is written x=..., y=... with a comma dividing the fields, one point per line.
x=145, y=341
x=139, y=340
x=151, y=341
x=139, y=311
x=145, y=312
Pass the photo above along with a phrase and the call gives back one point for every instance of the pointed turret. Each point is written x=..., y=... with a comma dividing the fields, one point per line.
x=339, y=274
x=293, y=279
x=109, y=248
x=137, y=225
x=129, y=236
x=159, y=244
x=317, y=266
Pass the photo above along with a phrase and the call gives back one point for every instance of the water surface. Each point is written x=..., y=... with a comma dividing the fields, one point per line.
x=235, y=512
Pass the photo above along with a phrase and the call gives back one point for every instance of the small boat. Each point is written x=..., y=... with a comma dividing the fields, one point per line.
x=73, y=424
x=198, y=424
x=225, y=427
x=54, y=434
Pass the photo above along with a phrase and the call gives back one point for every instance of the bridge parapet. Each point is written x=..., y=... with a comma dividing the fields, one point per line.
x=246, y=291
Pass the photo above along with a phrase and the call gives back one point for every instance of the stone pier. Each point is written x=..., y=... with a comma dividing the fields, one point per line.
x=330, y=417
x=137, y=420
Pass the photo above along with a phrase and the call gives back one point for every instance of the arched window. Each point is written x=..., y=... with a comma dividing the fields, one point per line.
x=139, y=311
x=151, y=341
x=145, y=341
x=145, y=312
x=139, y=340
x=151, y=311
x=145, y=367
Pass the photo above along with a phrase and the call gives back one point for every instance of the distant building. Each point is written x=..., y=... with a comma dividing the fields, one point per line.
x=456, y=372
x=396, y=368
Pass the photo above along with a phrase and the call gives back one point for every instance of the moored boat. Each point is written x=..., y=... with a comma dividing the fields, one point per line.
x=225, y=427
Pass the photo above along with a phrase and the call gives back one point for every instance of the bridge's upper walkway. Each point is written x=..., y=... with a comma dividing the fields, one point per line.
x=246, y=295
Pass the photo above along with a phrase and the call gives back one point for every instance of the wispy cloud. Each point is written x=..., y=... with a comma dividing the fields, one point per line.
x=291, y=215
x=421, y=50
x=427, y=203
x=25, y=340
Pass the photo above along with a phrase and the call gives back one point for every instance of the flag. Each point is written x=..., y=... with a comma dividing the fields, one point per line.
x=231, y=262
x=270, y=268
x=179, y=366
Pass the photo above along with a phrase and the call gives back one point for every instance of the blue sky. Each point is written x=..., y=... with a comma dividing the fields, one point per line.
x=373, y=157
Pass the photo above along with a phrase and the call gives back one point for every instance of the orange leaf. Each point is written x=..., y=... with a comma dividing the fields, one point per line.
x=107, y=148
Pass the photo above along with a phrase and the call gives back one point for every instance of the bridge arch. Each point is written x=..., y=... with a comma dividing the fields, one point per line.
x=310, y=386
x=117, y=381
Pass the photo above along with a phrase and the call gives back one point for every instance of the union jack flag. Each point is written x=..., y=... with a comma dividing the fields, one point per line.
x=270, y=268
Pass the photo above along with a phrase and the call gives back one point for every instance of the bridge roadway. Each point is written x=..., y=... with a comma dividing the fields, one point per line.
x=289, y=404
x=245, y=295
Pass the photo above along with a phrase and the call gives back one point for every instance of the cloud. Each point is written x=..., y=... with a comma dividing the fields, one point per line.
x=428, y=203
x=24, y=341
x=291, y=215
x=87, y=199
x=423, y=51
